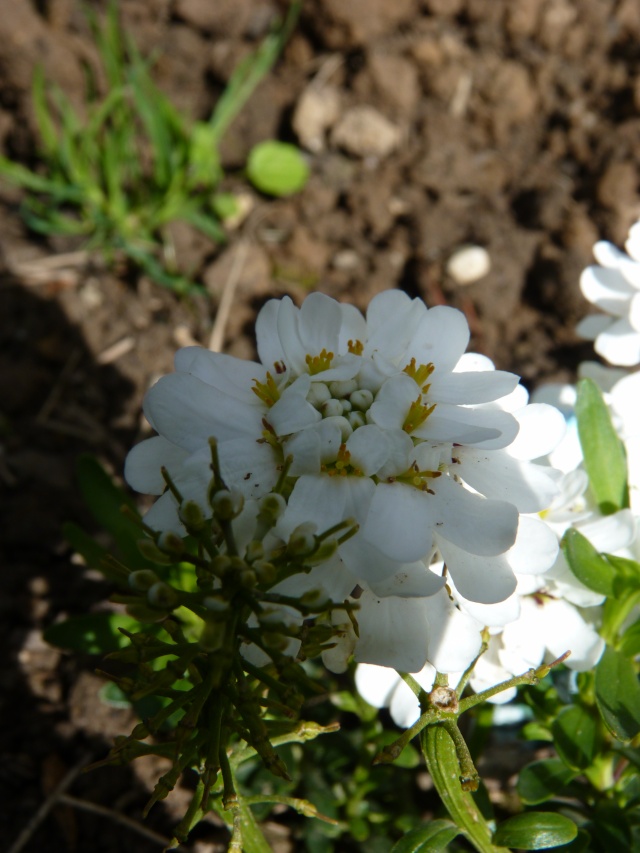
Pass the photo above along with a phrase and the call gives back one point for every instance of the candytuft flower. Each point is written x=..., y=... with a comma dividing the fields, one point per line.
x=383, y=420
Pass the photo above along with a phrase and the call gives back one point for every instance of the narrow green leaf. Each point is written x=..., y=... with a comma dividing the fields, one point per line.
x=44, y=120
x=618, y=694
x=576, y=736
x=93, y=633
x=432, y=838
x=277, y=168
x=541, y=780
x=535, y=831
x=586, y=563
x=105, y=501
x=604, y=455
x=24, y=177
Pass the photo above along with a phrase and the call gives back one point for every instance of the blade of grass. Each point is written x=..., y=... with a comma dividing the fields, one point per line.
x=250, y=72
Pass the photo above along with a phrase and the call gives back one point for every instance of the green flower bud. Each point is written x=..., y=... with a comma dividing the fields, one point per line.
x=227, y=504
x=303, y=541
x=142, y=580
x=171, y=543
x=356, y=419
x=163, y=596
x=150, y=551
x=255, y=551
x=213, y=636
x=326, y=550
x=318, y=394
x=248, y=578
x=221, y=565
x=192, y=516
x=265, y=572
x=361, y=399
x=272, y=506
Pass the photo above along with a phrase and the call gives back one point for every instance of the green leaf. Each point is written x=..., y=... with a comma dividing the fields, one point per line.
x=535, y=831
x=106, y=501
x=630, y=641
x=93, y=633
x=604, y=455
x=586, y=564
x=576, y=736
x=541, y=780
x=431, y=838
x=618, y=694
x=277, y=168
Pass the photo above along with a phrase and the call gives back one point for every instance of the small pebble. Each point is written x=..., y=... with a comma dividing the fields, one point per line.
x=468, y=264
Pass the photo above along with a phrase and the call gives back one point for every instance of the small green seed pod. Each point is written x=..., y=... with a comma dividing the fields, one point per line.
x=142, y=580
x=162, y=596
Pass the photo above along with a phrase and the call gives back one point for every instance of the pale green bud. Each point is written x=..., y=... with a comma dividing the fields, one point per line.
x=191, y=516
x=265, y=572
x=142, y=580
x=221, y=565
x=272, y=505
x=361, y=399
x=227, y=504
x=150, y=551
x=255, y=551
x=332, y=408
x=215, y=604
x=162, y=595
x=171, y=543
x=318, y=394
x=302, y=540
x=343, y=387
x=356, y=419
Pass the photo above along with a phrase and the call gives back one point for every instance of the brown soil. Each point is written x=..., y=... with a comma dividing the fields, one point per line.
x=512, y=124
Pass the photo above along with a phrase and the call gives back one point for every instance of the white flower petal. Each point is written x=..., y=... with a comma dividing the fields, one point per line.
x=541, y=429
x=485, y=580
x=607, y=289
x=369, y=448
x=535, y=549
x=232, y=376
x=479, y=525
x=593, y=325
x=392, y=632
x=471, y=388
x=412, y=580
x=248, y=465
x=144, y=461
x=619, y=344
x=454, y=637
x=400, y=522
x=441, y=338
x=495, y=473
x=188, y=412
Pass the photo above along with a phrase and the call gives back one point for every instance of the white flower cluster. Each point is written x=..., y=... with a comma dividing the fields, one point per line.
x=551, y=612
x=384, y=420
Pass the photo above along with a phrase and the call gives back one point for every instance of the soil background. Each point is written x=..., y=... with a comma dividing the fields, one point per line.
x=428, y=125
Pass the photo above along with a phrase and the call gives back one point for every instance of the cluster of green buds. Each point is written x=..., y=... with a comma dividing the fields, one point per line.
x=217, y=649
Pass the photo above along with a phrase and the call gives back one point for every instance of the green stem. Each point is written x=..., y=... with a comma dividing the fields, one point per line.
x=442, y=762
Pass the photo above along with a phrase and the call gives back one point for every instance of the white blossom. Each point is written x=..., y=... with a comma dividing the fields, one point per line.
x=613, y=285
x=383, y=420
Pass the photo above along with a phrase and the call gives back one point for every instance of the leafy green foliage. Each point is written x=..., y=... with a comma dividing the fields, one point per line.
x=93, y=633
x=130, y=164
x=587, y=565
x=432, y=838
x=542, y=780
x=535, y=831
x=602, y=449
x=618, y=694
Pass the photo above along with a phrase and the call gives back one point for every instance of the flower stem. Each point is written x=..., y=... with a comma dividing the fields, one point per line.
x=441, y=754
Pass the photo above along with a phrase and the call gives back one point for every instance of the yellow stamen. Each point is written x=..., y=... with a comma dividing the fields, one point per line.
x=319, y=363
x=356, y=347
x=416, y=478
x=420, y=374
x=267, y=391
x=417, y=415
x=342, y=466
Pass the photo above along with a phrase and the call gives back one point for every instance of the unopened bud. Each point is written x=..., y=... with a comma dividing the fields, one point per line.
x=212, y=637
x=318, y=394
x=255, y=551
x=343, y=387
x=171, y=543
x=272, y=505
x=265, y=572
x=314, y=598
x=361, y=399
x=248, y=578
x=303, y=541
x=227, y=504
x=142, y=580
x=192, y=516
x=163, y=596
x=150, y=551
x=326, y=550
x=221, y=565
